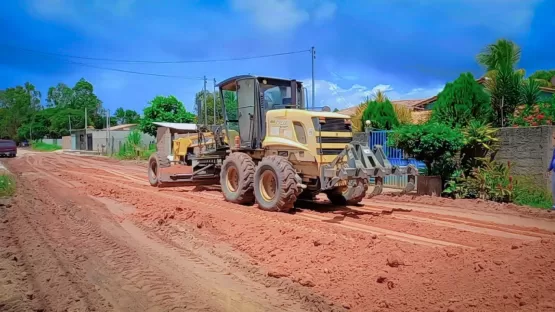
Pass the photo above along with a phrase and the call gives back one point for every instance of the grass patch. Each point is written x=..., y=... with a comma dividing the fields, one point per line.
x=44, y=147
x=528, y=192
x=7, y=185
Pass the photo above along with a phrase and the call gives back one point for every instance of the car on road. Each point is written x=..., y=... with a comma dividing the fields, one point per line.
x=8, y=148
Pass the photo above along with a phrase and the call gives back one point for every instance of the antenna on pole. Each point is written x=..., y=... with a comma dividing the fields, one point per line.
x=214, y=123
x=204, y=103
x=313, y=57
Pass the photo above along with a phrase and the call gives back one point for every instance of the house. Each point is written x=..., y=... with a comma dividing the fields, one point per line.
x=421, y=109
x=98, y=139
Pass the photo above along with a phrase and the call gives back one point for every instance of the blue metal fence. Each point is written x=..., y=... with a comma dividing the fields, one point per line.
x=396, y=156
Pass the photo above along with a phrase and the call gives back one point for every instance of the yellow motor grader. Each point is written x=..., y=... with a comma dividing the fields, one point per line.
x=274, y=152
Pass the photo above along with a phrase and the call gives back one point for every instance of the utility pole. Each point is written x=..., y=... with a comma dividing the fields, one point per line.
x=69, y=118
x=86, y=139
x=107, y=129
x=215, y=102
x=313, y=57
x=204, y=103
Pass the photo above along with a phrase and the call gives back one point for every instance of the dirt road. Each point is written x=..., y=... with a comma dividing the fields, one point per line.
x=90, y=234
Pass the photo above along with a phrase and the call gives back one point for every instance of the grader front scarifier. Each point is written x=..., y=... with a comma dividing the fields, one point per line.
x=274, y=152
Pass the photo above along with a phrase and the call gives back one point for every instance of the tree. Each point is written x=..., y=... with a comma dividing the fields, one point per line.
x=164, y=109
x=461, y=101
x=544, y=77
x=59, y=96
x=433, y=143
x=501, y=54
x=380, y=114
x=503, y=82
x=128, y=116
x=18, y=105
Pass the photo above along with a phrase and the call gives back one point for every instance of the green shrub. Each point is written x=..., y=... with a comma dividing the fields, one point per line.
x=461, y=101
x=381, y=115
x=44, y=147
x=433, y=143
x=491, y=181
x=7, y=185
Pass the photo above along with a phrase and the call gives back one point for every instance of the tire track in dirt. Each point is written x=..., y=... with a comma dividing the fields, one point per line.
x=475, y=227
x=344, y=224
x=158, y=291
x=135, y=275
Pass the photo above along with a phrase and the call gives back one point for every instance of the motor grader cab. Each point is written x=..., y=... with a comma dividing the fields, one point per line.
x=282, y=152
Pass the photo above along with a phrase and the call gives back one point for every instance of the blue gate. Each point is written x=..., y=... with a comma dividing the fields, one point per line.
x=396, y=156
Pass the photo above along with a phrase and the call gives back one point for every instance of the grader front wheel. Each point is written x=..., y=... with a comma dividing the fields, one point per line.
x=275, y=185
x=236, y=178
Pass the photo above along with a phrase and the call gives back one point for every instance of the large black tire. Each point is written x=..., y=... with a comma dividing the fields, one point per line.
x=236, y=178
x=348, y=196
x=155, y=162
x=275, y=186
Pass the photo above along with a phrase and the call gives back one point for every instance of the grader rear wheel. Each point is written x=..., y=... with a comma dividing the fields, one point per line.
x=236, y=178
x=351, y=194
x=275, y=185
x=155, y=163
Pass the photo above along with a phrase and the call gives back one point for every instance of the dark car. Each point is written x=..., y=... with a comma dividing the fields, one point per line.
x=8, y=148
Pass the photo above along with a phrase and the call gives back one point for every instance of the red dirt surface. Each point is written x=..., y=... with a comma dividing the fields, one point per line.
x=124, y=245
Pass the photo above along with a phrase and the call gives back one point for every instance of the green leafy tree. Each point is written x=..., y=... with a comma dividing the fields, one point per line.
x=19, y=105
x=59, y=96
x=461, y=101
x=126, y=116
x=164, y=109
x=381, y=115
x=544, y=77
x=432, y=143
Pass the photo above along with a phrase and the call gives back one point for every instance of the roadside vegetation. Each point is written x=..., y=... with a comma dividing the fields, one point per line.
x=132, y=148
x=44, y=147
x=459, y=140
x=7, y=185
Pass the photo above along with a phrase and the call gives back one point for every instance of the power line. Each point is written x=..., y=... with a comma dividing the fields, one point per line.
x=134, y=72
x=160, y=62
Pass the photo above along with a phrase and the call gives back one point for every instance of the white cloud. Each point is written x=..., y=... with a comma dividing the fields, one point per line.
x=282, y=15
x=273, y=15
x=331, y=94
x=325, y=11
x=505, y=16
x=78, y=12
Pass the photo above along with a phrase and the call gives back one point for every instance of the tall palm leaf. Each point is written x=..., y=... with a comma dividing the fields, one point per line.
x=503, y=53
x=530, y=92
x=356, y=119
x=379, y=96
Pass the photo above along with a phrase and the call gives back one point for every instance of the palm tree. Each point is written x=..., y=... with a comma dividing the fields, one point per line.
x=504, y=83
x=501, y=54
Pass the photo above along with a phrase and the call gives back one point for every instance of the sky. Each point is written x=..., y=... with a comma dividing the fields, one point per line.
x=407, y=48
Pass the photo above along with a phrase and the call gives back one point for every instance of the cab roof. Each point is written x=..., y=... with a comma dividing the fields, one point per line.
x=229, y=84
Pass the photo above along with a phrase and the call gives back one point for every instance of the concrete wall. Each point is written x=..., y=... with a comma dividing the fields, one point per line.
x=52, y=141
x=529, y=149
x=66, y=142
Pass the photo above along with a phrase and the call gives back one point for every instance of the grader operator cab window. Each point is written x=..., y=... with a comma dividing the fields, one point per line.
x=277, y=94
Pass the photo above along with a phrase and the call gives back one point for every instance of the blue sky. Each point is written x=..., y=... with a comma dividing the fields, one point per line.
x=408, y=48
